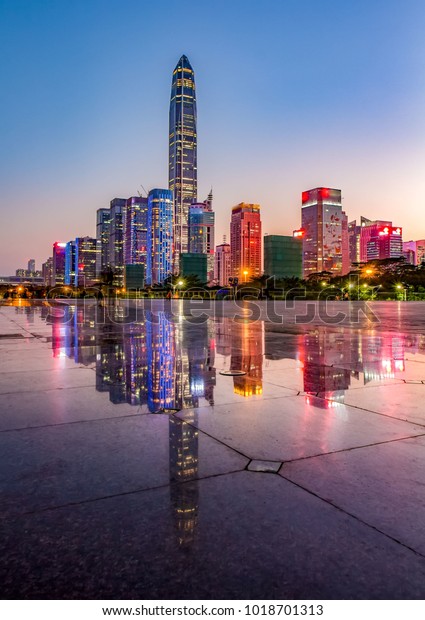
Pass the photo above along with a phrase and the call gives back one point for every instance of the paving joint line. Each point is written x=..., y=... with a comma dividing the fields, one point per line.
x=368, y=445
x=353, y=516
x=92, y=500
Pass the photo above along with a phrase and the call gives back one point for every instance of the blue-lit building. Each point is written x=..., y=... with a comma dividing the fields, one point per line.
x=183, y=175
x=70, y=263
x=159, y=263
x=136, y=231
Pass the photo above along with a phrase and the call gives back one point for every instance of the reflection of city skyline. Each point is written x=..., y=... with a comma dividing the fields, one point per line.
x=163, y=363
x=331, y=360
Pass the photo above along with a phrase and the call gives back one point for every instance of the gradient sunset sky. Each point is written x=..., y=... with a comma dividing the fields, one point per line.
x=291, y=94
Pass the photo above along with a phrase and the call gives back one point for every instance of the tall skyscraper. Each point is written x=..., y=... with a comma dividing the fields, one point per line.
x=70, y=262
x=58, y=265
x=325, y=244
x=245, y=241
x=160, y=238
x=116, y=240
x=86, y=251
x=136, y=231
x=31, y=265
x=182, y=165
x=103, y=229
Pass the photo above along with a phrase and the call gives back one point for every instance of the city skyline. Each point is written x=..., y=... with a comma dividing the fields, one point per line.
x=71, y=144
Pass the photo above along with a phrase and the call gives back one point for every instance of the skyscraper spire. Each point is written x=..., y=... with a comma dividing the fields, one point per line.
x=182, y=164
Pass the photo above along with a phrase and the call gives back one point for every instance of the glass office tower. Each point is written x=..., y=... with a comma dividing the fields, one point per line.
x=325, y=243
x=182, y=167
x=136, y=230
x=160, y=236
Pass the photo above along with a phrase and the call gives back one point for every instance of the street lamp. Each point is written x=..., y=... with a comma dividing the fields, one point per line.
x=245, y=273
x=400, y=287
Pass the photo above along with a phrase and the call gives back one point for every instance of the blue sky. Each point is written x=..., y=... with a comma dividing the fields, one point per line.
x=292, y=94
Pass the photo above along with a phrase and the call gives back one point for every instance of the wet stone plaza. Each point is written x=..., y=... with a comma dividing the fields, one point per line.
x=221, y=454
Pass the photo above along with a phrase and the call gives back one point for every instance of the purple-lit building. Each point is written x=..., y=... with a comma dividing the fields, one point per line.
x=58, y=263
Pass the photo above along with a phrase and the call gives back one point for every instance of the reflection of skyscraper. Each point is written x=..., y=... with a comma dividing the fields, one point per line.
x=182, y=166
x=325, y=354
x=160, y=342
x=184, y=492
x=247, y=355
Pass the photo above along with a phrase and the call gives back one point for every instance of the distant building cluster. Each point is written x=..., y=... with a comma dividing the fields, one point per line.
x=144, y=240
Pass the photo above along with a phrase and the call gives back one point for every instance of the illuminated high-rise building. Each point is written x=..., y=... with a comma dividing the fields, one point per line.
x=325, y=242
x=70, y=262
x=245, y=241
x=354, y=242
x=368, y=229
x=159, y=263
x=116, y=240
x=103, y=229
x=31, y=265
x=58, y=264
x=182, y=166
x=47, y=271
x=222, y=264
x=415, y=251
x=136, y=231
x=201, y=232
x=86, y=251
x=384, y=242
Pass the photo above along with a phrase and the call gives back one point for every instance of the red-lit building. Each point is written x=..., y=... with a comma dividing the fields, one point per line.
x=325, y=242
x=384, y=242
x=245, y=241
x=58, y=263
x=368, y=230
